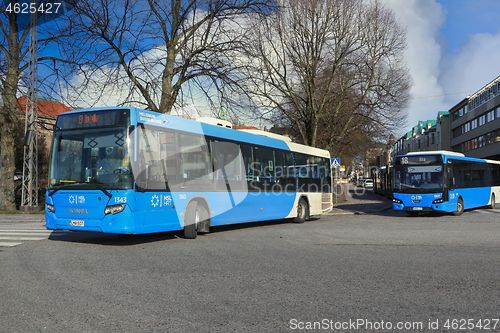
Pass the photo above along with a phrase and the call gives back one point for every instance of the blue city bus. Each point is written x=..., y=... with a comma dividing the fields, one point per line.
x=131, y=171
x=444, y=181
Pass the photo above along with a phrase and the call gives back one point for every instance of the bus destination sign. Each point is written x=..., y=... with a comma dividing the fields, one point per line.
x=94, y=119
x=418, y=159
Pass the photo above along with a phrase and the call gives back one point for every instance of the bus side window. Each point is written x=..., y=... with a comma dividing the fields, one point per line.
x=290, y=173
x=264, y=164
x=280, y=166
x=194, y=157
x=248, y=161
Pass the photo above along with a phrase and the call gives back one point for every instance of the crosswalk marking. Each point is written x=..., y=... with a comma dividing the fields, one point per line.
x=21, y=238
x=9, y=244
x=12, y=237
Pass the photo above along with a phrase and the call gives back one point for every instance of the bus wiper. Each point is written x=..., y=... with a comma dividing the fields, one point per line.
x=102, y=189
x=69, y=185
x=61, y=186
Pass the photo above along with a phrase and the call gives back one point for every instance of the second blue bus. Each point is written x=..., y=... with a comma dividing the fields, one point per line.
x=444, y=181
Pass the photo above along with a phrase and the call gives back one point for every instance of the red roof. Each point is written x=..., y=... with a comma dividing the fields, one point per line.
x=45, y=107
x=245, y=128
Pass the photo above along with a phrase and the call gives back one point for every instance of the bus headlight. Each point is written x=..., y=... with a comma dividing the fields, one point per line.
x=51, y=208
x=397, y=201
x=115, y=209
x=438, y=201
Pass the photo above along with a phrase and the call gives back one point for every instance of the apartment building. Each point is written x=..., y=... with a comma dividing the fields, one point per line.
x=475, y=123
x=428, y=135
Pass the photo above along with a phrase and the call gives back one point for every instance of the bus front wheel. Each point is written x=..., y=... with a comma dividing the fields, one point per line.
x=460, y=207
x=191, y=220
x=302, y=211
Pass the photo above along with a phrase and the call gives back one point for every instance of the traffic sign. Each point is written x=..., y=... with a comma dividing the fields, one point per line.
x=335, y=162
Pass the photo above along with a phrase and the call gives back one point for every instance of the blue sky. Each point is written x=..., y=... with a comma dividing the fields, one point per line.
x=453, y=51
x=466, y=17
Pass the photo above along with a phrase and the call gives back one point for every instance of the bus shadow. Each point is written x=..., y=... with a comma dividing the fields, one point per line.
x=243, y=226
x=97, y=238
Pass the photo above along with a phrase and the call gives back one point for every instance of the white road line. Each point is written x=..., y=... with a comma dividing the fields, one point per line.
x=25, y=230
x=22, y=238
x=13, y=236
x=22, y=233
x=9, y=244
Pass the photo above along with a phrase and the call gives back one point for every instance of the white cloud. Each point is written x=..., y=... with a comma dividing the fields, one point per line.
x=441, y=79
x=475, y=65
x=423, y=19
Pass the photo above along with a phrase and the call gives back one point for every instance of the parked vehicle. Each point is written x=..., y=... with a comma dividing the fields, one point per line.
x=368, y=183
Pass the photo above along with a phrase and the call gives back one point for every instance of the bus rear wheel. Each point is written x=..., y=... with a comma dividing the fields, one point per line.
x=493, y=203
x=460, y=207
x=302, y=211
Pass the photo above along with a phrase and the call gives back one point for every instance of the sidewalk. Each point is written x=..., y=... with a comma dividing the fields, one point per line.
x=22, y=218
x=357, y=200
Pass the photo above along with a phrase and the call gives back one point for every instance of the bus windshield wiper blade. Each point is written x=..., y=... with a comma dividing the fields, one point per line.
x=99, y=187
x=62, y=186
x=102, y=189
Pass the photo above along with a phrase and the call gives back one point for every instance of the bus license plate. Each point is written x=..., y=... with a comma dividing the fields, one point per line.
x=77, y=223
x=417, y=208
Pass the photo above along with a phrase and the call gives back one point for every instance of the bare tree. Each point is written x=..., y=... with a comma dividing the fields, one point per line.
x=13, y=50
x=145, y=52
x=329, y=67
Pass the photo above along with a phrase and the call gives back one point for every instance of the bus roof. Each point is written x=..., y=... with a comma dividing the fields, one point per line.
x=437, y=152
x=452, y=154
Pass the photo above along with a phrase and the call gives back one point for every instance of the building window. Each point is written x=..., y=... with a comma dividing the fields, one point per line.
x=473, y=144
x=482, y=120
x=490, y=116
x=490, y=138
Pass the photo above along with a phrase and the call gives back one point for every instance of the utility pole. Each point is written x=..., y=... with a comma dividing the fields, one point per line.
x=29, y=201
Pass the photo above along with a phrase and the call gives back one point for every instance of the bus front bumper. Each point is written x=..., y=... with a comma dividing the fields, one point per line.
x=121, y=223
x=441, y=207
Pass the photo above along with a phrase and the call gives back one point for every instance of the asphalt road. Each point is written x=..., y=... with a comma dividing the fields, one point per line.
x=340, y=273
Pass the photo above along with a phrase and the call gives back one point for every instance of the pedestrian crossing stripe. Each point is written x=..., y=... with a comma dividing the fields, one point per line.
x=13, y=237
x=9, y=244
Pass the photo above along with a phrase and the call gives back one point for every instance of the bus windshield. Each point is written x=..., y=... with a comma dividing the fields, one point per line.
x=419, y=178
x=91, y=158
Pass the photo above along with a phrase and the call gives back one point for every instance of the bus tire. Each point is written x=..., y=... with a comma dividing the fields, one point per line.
x=460, y=207
x=302, y=211
x=493, y=203
x=203, y=225
x=191, y=219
